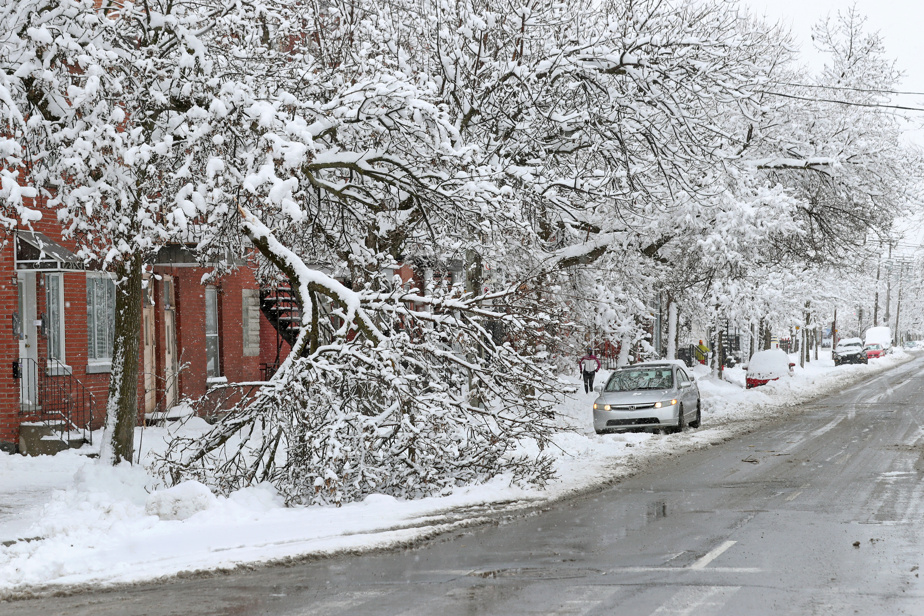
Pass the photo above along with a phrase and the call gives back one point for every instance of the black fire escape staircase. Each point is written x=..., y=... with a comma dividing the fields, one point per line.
x=282, y=310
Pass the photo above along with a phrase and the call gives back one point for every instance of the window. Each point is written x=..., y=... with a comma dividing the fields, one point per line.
x=100, y=318
x=251, y=322
x=212, y=357
x=54, y=317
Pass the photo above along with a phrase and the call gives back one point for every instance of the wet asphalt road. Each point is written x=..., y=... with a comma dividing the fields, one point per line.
x=820, y=513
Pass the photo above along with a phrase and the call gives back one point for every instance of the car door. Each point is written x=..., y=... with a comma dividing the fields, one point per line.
x=689, y=395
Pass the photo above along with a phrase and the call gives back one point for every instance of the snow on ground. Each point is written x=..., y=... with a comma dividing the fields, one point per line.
x=68, y=521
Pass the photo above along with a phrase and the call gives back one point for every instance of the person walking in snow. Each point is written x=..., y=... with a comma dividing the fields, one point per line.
x=589, y=365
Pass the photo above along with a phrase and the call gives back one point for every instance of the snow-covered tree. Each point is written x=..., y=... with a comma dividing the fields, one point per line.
x=531, y=140
x=576, y=160
x=107, y=98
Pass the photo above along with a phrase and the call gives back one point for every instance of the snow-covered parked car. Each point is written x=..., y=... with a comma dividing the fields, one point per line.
x=766, y=366
x=873, y=351
x=881, y=335
x=849, y=351
x=655, y=395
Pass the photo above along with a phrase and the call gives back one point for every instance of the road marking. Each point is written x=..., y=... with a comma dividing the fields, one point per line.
x=711, y=556
x=694, y=598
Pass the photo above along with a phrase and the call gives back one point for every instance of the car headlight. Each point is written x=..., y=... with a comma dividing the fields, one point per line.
x=604, y=407
x=660, y=404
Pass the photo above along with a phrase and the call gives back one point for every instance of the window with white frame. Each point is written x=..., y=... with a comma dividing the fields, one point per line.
x=54, y=317
x=100, y=317
x=212, y=351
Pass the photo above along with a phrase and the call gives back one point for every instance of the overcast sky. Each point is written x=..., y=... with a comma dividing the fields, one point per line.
x=901, y=24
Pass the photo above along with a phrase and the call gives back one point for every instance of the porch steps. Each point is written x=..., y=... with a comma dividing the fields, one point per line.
x=46, y=438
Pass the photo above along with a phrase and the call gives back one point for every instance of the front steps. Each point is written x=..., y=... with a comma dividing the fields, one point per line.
x=46, y=439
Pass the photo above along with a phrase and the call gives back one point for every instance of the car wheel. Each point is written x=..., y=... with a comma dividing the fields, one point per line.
x=699, y=415
x=681, y=424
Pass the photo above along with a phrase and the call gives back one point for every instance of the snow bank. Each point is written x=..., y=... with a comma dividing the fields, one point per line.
x=180, y=502
x=69, y=521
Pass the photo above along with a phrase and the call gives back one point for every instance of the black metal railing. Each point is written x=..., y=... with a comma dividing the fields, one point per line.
x=50, y=393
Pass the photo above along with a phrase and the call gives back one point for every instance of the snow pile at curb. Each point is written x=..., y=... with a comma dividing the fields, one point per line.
x=97, y=525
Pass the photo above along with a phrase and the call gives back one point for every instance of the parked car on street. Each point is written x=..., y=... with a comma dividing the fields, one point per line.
x=881, y=335
x=650, y=396
x=873, y=350
x=766, y=366
x=849, y=351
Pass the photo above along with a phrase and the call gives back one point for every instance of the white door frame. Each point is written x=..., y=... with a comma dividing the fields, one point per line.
x=28, y=339
x=171, y=361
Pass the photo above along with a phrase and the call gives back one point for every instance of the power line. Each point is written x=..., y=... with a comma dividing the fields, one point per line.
x=837, y=102
x=848, y=89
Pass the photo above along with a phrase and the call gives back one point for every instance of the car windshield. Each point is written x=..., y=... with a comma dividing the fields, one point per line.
x=640, y=378
x=848, y=345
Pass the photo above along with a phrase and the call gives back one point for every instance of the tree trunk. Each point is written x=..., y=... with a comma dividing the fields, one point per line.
x=807, y=334
x=623, y=358
x=671, y=329
x=752, y=342
x=122, y=404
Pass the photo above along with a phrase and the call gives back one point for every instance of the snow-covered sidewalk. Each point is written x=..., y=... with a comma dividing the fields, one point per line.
x=68, y=521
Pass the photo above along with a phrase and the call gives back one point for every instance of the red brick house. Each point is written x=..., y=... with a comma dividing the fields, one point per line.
x=58, y=338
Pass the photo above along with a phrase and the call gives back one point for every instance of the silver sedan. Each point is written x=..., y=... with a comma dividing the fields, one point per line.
x=654, y=395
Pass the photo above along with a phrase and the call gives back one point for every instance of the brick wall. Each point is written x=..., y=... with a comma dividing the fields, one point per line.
x=9, y=351
x=190, y=332
x=75, y=335
x=190, y=325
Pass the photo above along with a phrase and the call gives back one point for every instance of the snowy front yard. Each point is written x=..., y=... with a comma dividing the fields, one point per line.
x=66, y=520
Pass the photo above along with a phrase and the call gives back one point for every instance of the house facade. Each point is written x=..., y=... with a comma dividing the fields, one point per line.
x=197, y=332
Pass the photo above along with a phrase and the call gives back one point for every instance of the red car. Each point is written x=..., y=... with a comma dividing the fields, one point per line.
x=874, y=350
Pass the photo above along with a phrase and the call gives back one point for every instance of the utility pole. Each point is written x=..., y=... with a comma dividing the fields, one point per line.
x=888, y=284
x=896, y=335
x=876, y=300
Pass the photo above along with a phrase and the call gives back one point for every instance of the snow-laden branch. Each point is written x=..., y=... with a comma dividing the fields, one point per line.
x=306, y=280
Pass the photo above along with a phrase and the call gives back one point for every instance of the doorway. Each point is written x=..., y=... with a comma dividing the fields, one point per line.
x=171, y=361
x=149, y=350
x=27, y=332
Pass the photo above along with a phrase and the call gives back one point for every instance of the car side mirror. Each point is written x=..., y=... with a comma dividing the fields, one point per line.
x=598, y=389
x=685, y=384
